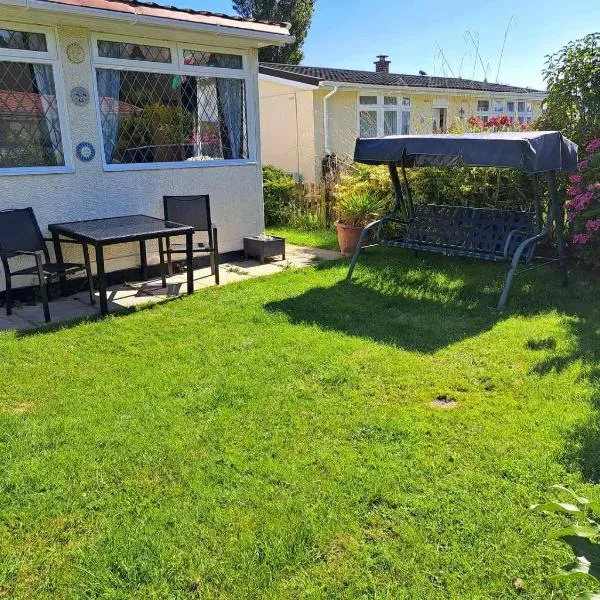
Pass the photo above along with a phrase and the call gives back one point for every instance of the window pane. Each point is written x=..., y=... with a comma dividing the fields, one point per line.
x=406, y=102
x=521, y=106
x=510, y=107
x=405, y=122
x=23, y=40
x=390, y=100
x=212, y=59
x=155, y=117
x=498, y=106
x=368, y=99
x=484, y=119
x=390, y=122
x=127, y=51
x=368, y=123
x=483, y=105
x=528, y=107
x=29, y=124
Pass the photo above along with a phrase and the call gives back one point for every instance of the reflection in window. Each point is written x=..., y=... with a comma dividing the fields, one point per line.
x=126, y=51
x=30, y=134
x=368, y=123
x=368, y=100
x=483, y=105
x=212, y=59
x=23, y=40
x=390, y=122
x=158, y=118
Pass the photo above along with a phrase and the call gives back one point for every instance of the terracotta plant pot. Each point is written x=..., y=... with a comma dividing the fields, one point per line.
x=348, y=237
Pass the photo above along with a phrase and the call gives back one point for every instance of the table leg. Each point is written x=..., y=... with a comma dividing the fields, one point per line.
x=59, y=258
x=88, y=270
x=189, y=245
x=143, y=261
x=101, y=279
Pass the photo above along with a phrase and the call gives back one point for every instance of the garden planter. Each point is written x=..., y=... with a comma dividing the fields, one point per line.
x=265, y=246
x=348, y=237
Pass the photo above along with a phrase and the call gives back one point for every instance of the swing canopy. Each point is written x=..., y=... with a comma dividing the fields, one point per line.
x=528, y=151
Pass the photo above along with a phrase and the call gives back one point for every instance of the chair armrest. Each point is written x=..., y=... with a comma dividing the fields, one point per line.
x=63, y=241
x=509, y=239
x=17, y=252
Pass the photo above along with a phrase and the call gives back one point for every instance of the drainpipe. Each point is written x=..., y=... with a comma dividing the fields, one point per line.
x=326, y=119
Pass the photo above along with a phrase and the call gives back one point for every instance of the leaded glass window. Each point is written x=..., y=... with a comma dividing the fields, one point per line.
x=150, y=117
x=11, y=39
x=129, y=51
x=201, y=58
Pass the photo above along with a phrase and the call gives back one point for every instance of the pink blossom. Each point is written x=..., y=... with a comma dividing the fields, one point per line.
x=575, y=178
x=593, y=146
x=573, y=191
x=583, y=164
x=581, y=238
x=593, y=225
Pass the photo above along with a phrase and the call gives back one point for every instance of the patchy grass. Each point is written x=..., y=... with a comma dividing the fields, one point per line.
x=281, y=438
x=314, y=238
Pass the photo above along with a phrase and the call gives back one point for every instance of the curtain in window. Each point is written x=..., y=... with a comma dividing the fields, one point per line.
x=230, y=93
x=109, y=82
x=44, y=82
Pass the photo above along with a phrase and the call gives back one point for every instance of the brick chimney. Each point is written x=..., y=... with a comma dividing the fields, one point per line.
x=382, y=65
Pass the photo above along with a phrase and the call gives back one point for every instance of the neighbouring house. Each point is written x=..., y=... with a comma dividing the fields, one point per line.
x=107, y=105
x=308, y=113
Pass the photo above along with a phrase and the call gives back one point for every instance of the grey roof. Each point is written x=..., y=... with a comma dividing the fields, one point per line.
x=314, y=75
x=529, y=151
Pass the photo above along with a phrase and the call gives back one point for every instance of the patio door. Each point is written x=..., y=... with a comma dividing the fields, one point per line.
x=440, y=120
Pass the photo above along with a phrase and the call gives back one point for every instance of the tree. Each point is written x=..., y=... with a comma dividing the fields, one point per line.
x=573, y=78
x=297, y=12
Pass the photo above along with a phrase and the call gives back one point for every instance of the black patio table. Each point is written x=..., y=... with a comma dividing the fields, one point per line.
x=120, y=230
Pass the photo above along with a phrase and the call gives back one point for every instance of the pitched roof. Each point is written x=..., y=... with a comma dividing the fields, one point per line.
x=315, y=75
x=152, y=9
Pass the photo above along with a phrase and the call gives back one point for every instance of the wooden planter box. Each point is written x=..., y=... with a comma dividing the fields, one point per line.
x=264, y=248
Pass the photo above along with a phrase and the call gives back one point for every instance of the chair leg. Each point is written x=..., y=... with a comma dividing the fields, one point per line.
x=169, y=261
x=161, y=252
x=88, y=270
x=44, y=292
x=9, y=295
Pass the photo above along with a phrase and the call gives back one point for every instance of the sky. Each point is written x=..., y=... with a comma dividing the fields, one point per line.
x=439, y=37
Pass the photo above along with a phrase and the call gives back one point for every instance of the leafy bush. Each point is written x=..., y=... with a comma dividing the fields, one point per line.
x=279, y=190
x=583, y=209
x=582, y=535
x=306, y=221
x=573, y=78
x=358, y=209
x=363, y=179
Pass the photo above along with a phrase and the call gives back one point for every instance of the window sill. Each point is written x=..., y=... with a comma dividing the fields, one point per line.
x=15, y=171
x=178, y=165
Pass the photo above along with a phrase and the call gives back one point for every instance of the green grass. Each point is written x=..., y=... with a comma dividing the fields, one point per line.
x=314, y=238
x=276, y=438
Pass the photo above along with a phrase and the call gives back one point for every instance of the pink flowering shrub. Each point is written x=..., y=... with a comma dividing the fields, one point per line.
x=583, y=206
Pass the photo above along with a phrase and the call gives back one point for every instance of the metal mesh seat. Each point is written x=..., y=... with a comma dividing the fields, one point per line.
x=194, y=211
x=483, y=233
x=20, y=236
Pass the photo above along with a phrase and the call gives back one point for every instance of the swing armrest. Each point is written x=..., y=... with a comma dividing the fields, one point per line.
x=509, y=238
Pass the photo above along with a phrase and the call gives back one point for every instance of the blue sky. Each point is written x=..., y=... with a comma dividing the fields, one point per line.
x=350, y=33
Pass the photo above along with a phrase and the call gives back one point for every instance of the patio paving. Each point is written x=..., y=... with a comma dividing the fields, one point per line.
x=128, y=295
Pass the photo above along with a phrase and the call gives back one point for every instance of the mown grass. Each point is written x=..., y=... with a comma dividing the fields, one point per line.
x=276, y=438
x=315, y=238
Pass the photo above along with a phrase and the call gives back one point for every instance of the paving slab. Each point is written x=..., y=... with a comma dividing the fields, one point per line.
x=132, y=294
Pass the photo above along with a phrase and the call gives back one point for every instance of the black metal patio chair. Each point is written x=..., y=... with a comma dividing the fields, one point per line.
x=20, y=236
x=194, y=211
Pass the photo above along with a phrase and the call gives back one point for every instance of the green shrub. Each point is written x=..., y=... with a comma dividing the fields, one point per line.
x=358, y=209
x=363, y=179
x=306, y=221
x=279, y=190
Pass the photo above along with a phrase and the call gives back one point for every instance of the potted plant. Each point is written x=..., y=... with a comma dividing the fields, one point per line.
x=353, y=212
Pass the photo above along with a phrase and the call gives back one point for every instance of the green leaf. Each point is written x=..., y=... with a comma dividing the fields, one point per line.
x=594, y=507
x=588, y=596
x=579, y=569
x=557, y=507
x=585, y=531
x=563, y=488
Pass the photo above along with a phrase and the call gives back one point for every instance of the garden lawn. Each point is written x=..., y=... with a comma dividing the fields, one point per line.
x=314, y=238
x=297, y=436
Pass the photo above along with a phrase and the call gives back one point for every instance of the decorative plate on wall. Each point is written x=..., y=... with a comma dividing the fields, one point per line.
x=75, y=53
x=85, y=151
x=80, y=96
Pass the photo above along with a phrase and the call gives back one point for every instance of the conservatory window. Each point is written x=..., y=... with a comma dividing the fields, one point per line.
x=30, y=108
x=183, y=105
x=150, y=117
x=386, y=115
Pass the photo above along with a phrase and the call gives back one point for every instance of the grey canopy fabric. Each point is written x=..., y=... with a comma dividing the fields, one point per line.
x=529, y=151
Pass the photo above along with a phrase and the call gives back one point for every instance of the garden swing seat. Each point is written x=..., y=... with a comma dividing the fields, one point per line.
x=490, y=234
x=483, y=233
